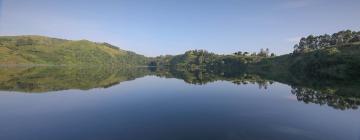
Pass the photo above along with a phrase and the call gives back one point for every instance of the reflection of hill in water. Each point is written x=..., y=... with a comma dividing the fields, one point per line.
x=337, y=94
x=43, y=79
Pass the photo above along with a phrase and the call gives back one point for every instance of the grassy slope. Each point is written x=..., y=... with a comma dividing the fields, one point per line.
x=52, y=51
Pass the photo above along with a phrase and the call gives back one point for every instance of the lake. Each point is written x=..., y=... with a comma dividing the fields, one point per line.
x=50, y=103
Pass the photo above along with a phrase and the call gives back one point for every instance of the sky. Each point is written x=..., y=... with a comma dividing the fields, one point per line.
x=159, y=27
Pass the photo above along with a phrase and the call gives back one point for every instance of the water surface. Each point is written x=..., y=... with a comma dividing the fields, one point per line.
x=82, y=103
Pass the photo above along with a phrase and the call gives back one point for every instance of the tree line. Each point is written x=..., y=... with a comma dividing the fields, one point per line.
x=311, y=42
x=261, y=53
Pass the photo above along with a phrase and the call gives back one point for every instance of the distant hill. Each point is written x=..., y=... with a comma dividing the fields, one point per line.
x=40, y=50
x=335, y=56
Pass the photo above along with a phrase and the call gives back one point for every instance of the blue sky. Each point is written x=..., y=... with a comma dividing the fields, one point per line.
x=155, y=27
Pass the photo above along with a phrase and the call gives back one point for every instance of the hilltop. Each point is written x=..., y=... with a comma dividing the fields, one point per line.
x=40, y=50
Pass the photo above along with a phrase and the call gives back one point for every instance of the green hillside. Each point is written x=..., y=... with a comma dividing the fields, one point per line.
x=335, y=56
x=39, y=50
x=336, y=62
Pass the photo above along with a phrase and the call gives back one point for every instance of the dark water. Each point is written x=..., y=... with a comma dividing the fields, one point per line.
x=142, y=104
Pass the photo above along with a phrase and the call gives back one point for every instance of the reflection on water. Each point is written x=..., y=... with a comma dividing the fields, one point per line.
x=41, y=103
x=44, y=79
x=329, y=98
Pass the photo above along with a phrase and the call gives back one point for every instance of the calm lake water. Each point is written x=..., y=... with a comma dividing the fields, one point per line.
x=53, y=103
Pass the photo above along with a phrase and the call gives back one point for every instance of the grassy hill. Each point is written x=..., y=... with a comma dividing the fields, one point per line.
x=40, y=50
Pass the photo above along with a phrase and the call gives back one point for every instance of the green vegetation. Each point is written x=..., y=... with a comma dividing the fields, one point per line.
x=334, y=62
x=335, y=56
x=311, y=43
x=322, y=57
x=39, y=50
x=202, y=59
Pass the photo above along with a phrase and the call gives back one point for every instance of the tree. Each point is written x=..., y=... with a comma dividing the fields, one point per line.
x=263, y=53
x=356, y=38
x=238, y=53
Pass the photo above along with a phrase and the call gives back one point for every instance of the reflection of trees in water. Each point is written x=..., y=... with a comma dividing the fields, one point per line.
x=253, y=79
x=327, y=97
x=43, y=79
x=201, y=77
